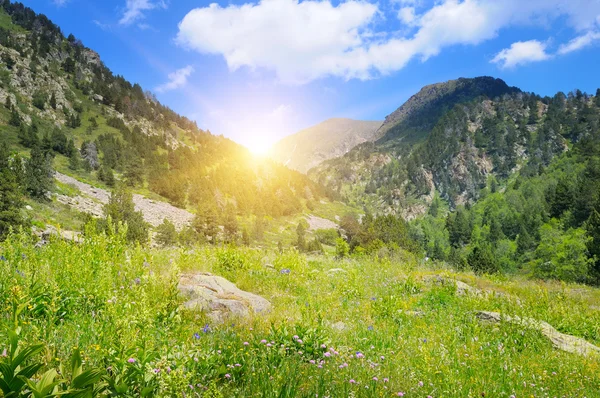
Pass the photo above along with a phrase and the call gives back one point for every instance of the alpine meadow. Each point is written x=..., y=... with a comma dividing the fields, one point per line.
x=362, y=222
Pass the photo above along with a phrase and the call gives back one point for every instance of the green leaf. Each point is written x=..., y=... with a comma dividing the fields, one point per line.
x=26, y=353
x=76, y=363
x=87, y=378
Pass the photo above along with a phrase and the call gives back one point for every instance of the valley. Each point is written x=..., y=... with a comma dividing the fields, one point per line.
x=450, y=250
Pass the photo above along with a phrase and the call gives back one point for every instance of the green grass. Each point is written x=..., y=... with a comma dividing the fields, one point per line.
x=116, y=302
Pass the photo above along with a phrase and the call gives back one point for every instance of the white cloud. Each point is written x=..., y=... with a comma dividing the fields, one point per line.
x=134, y=9
x=579, y=42
x=303, y=41
x=407, y=15
x=521, y=52
x=60, y=3
x=177, y=79
x=101, y=25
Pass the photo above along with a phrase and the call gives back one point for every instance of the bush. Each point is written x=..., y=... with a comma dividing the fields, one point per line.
x=166, y=234
x=327, y=236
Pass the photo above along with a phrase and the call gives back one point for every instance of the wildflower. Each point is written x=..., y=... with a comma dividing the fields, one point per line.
x=312, y=361
x=300, y=353
x=327, y=354
x=285, y=271
x=295, y=337
x=2, y=258
x=196, y=336
x=206, y=328
x=227, y=376
x=246, y=343
x=269, y=345
x=385, y=379
x=218, y=351
x=191, y=387
x=4, y=353
x=131, y=360
x=360, y=355
x=156, y=370
x=370, y=328
x=352, y=381
x=323, y=346
x=400, y=394
x=263, y=341
x=238, y=365
x=375, y=378
x=299, y=341
x=382, y=357
x=420, y=384
x=137, y=281
x=513, y=396
x=320, y=366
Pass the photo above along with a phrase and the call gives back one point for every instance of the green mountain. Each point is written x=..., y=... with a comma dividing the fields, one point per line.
x=330, y=139
x=58, y=95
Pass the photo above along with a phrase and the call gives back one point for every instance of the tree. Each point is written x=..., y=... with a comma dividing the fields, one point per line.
x=230, y=224
x=562, y=255
x=53, y=101
x=166, y=234
x=245, y=237
x=74, y=160
x=39, y=100
x=120, y=209
x=341, y=248
x=11, y=197
x=15, y=119
x=301, y=237
x=592, y=227
x=39, y=173
x=482, y=260
x=205, y=223
x=134, y=172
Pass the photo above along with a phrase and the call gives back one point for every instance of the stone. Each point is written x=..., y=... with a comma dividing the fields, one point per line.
x=336, y=271
x=219, y=298
x=461, y=287
x=564, y=342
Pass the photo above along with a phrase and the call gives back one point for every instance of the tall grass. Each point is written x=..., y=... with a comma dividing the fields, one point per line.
x=371, y=329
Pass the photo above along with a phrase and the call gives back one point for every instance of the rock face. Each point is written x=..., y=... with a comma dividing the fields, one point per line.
x=92, y=199
x=565, y=342
x=220, y=298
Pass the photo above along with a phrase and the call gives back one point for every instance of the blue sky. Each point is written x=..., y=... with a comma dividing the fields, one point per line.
x=258, y=71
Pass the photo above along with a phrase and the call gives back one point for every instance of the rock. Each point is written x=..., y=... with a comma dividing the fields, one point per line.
x=339, y=326
x=336, y=271
x=461, y=287
x=565, y=342
x=219, y=298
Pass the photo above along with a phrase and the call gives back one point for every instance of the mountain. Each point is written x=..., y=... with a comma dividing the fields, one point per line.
x=58, y=96
x=449, y=140
x=418, y=115
x=330, y=139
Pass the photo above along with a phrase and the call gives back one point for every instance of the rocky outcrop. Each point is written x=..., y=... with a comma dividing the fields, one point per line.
x=565, y=342
x=219, y=298
x=92, y=200
x=461, y=287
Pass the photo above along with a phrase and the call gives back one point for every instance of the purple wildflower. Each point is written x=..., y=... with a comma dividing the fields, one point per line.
x=360, y=355
x=196, y=336
x=352, y=381
x=131, y=360
x=227, y=376
x=246, y=343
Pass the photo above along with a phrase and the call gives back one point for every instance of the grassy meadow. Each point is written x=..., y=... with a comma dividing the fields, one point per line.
x=365, y=326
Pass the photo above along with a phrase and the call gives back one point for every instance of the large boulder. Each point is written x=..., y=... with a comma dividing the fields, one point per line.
x=219, y=298
x=565, y=342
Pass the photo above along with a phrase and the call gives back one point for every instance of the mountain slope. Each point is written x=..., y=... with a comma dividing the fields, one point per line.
x=57, y=95
x=467, y=137
x=330, y=139
x=418, y=115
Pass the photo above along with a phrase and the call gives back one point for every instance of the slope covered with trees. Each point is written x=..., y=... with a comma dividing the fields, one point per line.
x=63, y=105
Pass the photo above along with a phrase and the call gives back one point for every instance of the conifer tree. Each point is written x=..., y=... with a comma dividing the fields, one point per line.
x=11, y=197
x=39, y=173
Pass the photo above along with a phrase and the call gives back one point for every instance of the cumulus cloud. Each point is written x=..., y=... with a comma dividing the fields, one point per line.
x=579, y=42
x=134, y=9
x=177, y=79
x=521, y=52
x=303, y=41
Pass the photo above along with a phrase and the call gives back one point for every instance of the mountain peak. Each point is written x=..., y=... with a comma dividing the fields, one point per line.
x=411, y=119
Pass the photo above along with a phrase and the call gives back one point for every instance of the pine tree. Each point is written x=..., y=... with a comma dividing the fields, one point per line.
x=230, y=224
x=592, y=227
x=11, y=200
x=74, y=161
x=53, y=101
x=205, y=223
x=301, y=237
x=120, y=208
x=597, y=98
x=8, y=103
x=15, y=119
x=39, y=173
x=166, y=234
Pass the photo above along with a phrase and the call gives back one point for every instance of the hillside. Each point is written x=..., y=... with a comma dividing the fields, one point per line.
x=330, y=139
x=58, y=96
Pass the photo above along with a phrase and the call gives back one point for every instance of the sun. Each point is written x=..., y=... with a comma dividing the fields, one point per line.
x=259, y=146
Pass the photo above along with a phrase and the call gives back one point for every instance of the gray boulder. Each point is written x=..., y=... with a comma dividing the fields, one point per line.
x=219, y=298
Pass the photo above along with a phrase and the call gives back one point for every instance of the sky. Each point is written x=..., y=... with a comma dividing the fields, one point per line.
x=258, y=71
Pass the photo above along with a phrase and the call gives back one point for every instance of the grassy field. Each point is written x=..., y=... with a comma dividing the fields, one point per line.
x=375, y=328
